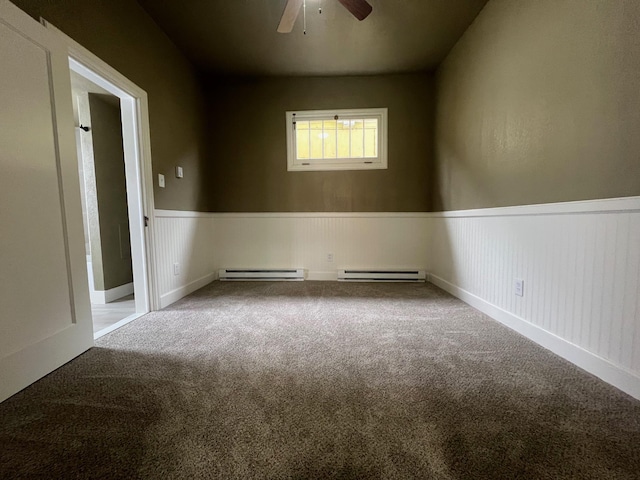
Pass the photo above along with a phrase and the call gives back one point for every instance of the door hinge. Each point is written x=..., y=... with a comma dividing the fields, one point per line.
x=146, y=221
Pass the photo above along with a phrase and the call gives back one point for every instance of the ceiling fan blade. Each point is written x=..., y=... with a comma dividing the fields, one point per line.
x=358, y=8
x=289, y=16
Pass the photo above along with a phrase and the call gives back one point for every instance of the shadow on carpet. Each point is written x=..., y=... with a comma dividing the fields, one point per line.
x=319, y=380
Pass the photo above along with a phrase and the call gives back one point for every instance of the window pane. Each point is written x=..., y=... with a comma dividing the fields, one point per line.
x=302, y=141
x=344, y=146
x=315, y=139
x=371, y=142
x=357, y=138
x=329, y=137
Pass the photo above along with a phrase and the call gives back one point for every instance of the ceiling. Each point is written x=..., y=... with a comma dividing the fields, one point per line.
x=238, y=37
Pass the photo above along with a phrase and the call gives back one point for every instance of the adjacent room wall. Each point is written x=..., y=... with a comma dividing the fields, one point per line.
x=538, y=102
x=88, y=189
x=111, y=190
x=248, y=153
x=122, y=34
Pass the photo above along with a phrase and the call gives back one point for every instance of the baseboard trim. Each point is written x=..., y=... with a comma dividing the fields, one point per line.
x=175, y=295
x=102, y=297
x=617, y=376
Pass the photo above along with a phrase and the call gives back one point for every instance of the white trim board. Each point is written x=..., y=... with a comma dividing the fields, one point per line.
x=181, y=214
x=188, y=214
x=605, y=205
x=615, y=375
x=181, y=292
x=102, y=297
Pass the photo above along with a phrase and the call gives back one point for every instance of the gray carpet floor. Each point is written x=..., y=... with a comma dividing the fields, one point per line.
x=319, y=380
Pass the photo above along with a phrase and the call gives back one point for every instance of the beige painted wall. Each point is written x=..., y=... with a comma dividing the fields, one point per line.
x=111, y=189
x=122, y=34
x=540, y=102
x=252, y=176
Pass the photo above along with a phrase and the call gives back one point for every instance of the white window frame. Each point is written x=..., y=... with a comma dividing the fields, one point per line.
x=295, y=165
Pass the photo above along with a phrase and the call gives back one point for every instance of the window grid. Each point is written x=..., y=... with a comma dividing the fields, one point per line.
x=356, y=127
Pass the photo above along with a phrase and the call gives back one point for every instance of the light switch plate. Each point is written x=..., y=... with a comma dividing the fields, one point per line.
x=161, y=180
x=179, y=173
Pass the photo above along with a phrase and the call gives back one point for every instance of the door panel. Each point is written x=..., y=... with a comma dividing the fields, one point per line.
x=45, y=318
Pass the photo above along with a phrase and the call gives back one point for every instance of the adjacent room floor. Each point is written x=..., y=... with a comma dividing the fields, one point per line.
x=105, y=315
x=319, y=380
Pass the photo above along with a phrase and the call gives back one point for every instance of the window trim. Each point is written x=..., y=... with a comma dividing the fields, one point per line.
x=311, y=165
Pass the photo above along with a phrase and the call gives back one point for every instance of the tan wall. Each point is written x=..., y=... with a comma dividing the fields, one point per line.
x=252, y=176
x=540, y=102
x=123, y=35
x=111, y=189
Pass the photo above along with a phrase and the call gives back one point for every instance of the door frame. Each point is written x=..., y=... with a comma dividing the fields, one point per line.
x=137, y=152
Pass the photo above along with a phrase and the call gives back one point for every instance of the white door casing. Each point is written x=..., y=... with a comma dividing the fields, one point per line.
x=45, y=315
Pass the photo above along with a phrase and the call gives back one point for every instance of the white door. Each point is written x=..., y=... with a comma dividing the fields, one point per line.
x=45, y=316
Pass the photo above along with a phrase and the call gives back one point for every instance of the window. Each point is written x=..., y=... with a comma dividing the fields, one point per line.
x=337, y=139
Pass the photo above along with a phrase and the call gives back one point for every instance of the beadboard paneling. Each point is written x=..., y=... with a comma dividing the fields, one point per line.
x=185, y=238
x=302, y=240
x=580, y=263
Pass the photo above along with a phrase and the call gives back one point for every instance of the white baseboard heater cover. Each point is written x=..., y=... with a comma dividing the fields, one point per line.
x=377, y=275
x=261, y=274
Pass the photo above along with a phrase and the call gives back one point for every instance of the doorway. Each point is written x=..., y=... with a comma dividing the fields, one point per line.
x=111, y=88
x=101, y=169
x=110, y=187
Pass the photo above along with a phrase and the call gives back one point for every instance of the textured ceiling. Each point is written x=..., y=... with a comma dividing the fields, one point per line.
x=238, y=37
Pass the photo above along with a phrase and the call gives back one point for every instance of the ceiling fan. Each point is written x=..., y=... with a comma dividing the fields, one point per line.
x=358, y=8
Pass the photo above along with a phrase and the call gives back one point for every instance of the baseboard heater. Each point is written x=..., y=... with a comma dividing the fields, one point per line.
x=261, y=274
x=381, y=275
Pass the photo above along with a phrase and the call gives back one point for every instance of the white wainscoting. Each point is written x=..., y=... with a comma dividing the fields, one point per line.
x=580, y=262
x=304, y=240
x=185, y=238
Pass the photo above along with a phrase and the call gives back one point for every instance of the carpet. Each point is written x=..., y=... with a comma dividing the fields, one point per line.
x=319, y=380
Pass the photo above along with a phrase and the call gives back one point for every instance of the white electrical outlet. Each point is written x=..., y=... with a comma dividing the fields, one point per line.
x=161, y=180
x=176, y=268
x=519, y=290
x=329, y=257
x=179, y=172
